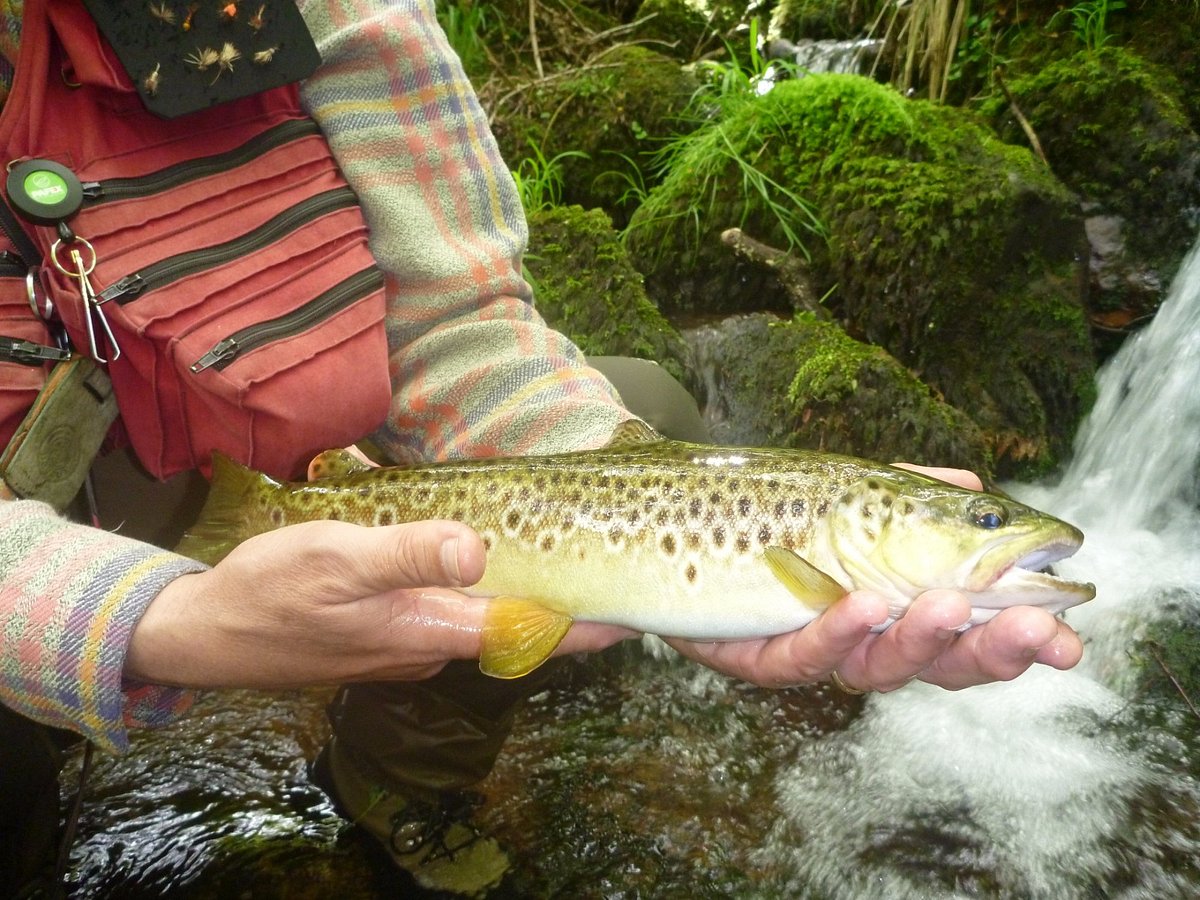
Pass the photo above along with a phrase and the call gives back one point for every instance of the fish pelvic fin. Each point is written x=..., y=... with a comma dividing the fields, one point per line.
x=519, y=635
x=810, y=585
x=335, y=463
x=223, y=521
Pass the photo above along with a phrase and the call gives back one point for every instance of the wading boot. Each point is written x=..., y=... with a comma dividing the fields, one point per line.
x=428, y=834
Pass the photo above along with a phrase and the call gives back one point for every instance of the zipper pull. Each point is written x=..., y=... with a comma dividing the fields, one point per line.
x=222, y=352
x=128, y=287
x=27, y=353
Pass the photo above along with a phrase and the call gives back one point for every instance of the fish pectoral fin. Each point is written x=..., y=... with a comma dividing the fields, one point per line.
x=334, y=464
x=519, y=635
x=811, y=586
x=632, y=433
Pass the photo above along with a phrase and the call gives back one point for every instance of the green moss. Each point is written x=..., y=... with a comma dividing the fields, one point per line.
x=618, y=111
x=1114, y=129
x=949, y=248
x=586, y=287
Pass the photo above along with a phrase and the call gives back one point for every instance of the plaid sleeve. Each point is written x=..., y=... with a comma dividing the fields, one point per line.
x=475, y=370
x=70, y=597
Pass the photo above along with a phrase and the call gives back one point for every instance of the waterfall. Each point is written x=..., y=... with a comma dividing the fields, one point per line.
x=1035, y=788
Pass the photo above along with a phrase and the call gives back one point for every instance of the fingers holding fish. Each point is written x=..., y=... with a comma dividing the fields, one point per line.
x=889, y=660
x=796, y=657
x=964, y=478
x=1005, y=647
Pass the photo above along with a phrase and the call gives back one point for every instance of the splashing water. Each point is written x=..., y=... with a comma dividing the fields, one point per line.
x=1040, y=787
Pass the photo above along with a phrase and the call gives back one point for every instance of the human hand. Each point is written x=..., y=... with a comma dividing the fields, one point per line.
x=926, y=643
x=324, y=603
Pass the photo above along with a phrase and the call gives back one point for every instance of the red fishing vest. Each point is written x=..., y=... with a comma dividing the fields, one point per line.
x=229, y=288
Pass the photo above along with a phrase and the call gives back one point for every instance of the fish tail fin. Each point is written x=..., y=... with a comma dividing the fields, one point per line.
x=224, y=520
x=519, y=635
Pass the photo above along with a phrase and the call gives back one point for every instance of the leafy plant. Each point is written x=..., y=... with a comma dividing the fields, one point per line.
x=465, y=22
x=1089, y=21
x=540, y=180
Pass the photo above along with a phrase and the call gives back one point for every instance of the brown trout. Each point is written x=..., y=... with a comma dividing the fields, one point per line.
x=683, y=540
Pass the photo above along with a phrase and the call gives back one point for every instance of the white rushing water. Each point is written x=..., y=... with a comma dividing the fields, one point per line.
x=1032, y=789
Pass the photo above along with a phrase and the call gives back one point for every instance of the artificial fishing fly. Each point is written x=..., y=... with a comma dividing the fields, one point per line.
x=163, y=12
x=203, y=59
x=191, y=12
x=150, y=82
x=228, y=12
x=262, y=57
x=256, y=20
x=226, y=58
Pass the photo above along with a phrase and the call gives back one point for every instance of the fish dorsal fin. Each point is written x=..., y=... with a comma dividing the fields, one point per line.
x=633, y=431
x=811, y=586
x=334, y=464
x=519, y=635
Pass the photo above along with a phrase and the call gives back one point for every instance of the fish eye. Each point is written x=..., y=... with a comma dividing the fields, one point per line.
x=988, y=516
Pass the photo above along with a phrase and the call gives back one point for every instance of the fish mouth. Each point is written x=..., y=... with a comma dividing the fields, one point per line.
x=1028, y=579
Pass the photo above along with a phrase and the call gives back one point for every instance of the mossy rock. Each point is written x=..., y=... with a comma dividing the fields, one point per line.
x=1114, y=129
x=586, y=288
x=806, y=383
x=688, y=30
x=617, y=112
x=952, y=250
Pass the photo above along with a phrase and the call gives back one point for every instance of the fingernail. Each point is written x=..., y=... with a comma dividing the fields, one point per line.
x=450, y=560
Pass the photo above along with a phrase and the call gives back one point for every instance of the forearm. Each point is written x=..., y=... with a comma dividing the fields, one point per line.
x=475, y=369
x=70, y=597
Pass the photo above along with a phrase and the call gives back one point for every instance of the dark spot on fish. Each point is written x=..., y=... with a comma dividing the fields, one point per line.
x=524, y=494
x=872, y=484
x=823, y=508
x=513, y=520
x=634, y=516
x=603, y=481
x=695, y=507
x=764, y=535
x=586, y=507
x=556, y=477
x=780, y=509
x=797, y=507
x=334, y=515
x=460, y=493
x=870, y=534
x=693, y=540
x=614, y=536
x=487, y=543
x=718, y=536
x=744, y=506
x=277, y=517
x=886, y=500
x=906, y=508
x=668, y=544
x=690, y=572
x=868, y=511
x=714, y=498
x=679, y=518
x=385, y=517
x=566, y=520
x=742, y=544
x=619, y=485
x=772, y=484
x=392, y=477
x=547, y=542
x=662, y=517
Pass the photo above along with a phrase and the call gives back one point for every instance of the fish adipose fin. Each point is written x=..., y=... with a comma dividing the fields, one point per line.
x=812, y=587
x=519, y=635
x=222, y=522
x=334, y=464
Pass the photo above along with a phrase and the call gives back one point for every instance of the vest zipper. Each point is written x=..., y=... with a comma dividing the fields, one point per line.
x=173, y=268
x=28, y=353
x=173, y=176
x=337, y=298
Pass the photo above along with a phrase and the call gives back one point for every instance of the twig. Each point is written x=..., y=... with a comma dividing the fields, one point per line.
x=1175, y=681
x=791, y=272
x=1021, y=120
x=533, y=40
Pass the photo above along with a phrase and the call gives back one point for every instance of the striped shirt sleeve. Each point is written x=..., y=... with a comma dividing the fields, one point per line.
x=70, y=597
x=475, y=370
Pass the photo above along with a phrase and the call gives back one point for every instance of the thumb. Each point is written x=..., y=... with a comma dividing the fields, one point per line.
x=435, y=553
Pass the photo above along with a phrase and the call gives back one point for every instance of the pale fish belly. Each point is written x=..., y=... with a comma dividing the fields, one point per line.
x=676, y=592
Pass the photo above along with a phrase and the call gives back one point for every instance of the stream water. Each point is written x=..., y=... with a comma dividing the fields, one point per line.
x=639, y=775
